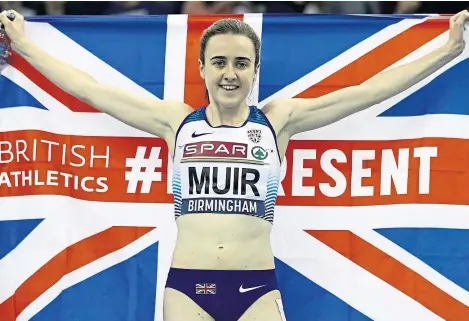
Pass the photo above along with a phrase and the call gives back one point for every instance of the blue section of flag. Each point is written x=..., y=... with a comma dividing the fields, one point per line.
x=293, y=46
x=305, y=300
x=125, y=291
x=445, y=250
x=135, y=46
x=13, y=95
x=12, y=233
x=446, y=94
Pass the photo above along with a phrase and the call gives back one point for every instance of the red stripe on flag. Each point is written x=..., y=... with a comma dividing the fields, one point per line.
x=70, y=259
x=379, y=58
x=45, y=84
x=394, y=273
x=194, y=87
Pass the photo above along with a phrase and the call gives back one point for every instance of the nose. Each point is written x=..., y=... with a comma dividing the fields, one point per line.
x=230, y=74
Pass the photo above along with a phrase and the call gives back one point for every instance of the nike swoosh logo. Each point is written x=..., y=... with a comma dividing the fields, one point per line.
x=242, y=290
x=194, y=135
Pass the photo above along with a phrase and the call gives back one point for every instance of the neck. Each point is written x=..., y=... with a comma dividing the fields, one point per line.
x=218, y=115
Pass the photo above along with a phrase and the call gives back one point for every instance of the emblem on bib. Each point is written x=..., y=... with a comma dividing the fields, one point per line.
x=255, y=135
x=259, y=153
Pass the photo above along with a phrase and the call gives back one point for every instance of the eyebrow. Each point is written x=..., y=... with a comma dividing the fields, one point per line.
x=223, y=57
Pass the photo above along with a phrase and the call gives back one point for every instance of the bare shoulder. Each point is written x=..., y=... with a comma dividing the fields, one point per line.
x=177, y=112
x=278, y=112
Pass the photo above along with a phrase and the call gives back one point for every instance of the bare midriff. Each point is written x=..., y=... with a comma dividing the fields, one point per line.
x=223, y=242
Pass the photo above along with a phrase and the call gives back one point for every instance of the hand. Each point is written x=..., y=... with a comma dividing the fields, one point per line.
x=457, y=25
x=14, y=29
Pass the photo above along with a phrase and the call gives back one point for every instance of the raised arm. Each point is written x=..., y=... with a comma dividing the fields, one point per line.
x=293, y=116
x=160, y=118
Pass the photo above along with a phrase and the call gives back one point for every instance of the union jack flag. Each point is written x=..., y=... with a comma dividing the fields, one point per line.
x=205, y=288
x=372, y=219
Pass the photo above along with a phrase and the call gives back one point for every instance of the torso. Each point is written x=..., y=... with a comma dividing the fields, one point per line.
x=225, y=182
x=223, y=242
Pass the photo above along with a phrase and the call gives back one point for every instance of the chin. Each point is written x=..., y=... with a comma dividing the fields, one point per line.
x=226, y=102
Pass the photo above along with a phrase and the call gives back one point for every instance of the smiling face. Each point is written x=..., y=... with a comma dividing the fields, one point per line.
x=229, y=69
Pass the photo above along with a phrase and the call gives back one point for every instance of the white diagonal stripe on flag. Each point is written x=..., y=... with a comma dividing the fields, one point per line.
x=372, y=112
x=395, y=251
x=40, y=95
x=61, y=47
x=342, y=60
x=48, y=240
x=88, y=271
x=346, y=280
x=82, y=219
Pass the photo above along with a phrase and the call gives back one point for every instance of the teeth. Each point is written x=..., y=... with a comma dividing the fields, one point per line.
x=229, y=87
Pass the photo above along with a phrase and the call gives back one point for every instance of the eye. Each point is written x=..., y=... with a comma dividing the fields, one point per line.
x=242, y=64
x=219, y=63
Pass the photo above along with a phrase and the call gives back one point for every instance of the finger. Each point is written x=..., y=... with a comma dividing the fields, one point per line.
x=462, y=18
x=465, y=17
x=17, y=15
x=459, y=18
x=461, y=22
x=456, y=16
x=461, y=12
x=453, y=19
x=4, y=19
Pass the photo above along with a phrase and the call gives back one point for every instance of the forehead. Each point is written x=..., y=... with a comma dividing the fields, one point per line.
x=230, y=46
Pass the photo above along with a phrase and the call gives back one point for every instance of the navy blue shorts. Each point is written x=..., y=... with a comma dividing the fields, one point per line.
x=225, y=295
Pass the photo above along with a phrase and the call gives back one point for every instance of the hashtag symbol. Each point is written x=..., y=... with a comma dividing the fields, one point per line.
x=139, y=162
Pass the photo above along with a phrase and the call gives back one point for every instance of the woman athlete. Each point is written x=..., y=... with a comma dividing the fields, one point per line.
x=227, y=159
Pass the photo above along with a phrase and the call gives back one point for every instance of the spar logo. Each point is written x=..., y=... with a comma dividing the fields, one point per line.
x=259, y=153
x=215, y=149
